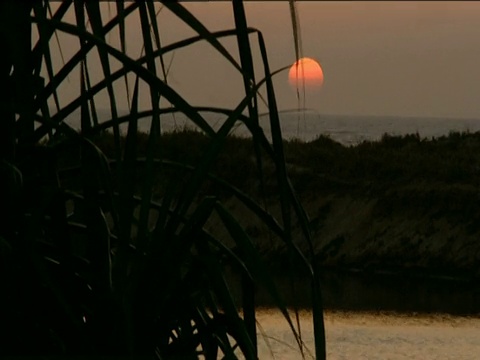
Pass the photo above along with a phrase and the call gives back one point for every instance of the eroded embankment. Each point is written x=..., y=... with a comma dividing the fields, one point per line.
x=414, y=229
x=402, y=204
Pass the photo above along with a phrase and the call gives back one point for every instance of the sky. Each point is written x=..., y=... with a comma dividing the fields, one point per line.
x=398, y=58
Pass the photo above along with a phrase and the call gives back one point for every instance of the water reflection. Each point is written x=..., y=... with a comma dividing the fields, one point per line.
x=403, y=293
x=356, y=335
x=361, y=291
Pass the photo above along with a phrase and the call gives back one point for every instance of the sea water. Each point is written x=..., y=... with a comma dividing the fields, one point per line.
x=351, y=130
x=308, y=125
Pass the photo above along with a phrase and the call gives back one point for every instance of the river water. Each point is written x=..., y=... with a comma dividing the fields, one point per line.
x=376, y=316
x=382, y=336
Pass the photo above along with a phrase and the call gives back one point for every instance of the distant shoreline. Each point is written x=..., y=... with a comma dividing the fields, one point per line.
x=310, y=124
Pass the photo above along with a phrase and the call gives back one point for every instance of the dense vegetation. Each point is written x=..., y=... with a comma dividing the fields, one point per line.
x=393, y=160
x=318, y=165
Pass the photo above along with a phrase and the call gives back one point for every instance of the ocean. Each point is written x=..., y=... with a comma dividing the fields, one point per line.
x=351, y=129
x=308, y=125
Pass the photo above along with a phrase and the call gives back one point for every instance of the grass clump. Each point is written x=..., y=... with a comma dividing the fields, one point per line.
x=108, y=249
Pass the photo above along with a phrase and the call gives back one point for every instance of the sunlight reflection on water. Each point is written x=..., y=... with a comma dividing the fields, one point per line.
x=384, y=336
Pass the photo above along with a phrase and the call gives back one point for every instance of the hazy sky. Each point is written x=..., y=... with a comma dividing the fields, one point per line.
x=403, y=58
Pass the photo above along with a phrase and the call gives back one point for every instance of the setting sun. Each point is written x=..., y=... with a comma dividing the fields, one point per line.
x=306, y=72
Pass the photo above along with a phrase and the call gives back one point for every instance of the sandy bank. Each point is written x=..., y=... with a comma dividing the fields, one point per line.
x=411, y=229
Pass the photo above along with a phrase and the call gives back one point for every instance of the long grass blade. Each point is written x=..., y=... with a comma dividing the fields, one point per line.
x=286, y=198
x=41, y=11
x=235, y=325
x=38, y=49
x=155, y=29
x=246, y=59
x=297, y=38
x=85, y=123
x=95, y=17
x=126, y=191
x=198, y=27
x=80, y=18
x=215, y=146
x=254, y=263
x=295, y=28
x=251, y=204
x=123, y=44
x=155, y=129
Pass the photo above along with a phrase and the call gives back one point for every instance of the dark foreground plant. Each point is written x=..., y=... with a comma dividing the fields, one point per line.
x=93, y=264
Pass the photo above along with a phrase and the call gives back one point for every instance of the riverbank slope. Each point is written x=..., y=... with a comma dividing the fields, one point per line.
x=401, y=204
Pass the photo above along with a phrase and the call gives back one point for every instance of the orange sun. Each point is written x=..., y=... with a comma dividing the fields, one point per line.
x=306, y=72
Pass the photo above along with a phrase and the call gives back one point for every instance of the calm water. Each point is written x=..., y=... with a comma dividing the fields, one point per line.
x=351, y=130
x=358, y=336
x=372, y=292
x=377, y=316
x=308, y=125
